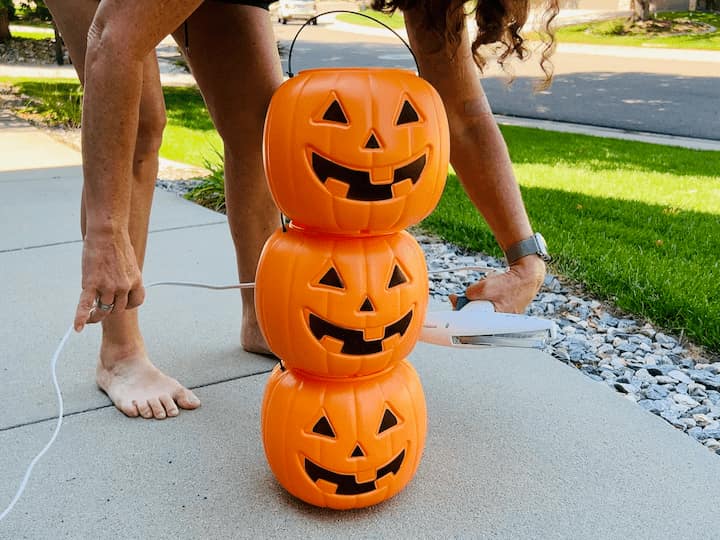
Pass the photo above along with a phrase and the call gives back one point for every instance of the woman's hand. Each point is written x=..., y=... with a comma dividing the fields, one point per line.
x=111, y=278
x=511, y=291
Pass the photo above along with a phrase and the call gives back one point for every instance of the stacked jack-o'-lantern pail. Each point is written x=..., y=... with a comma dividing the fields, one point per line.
x=352, y=156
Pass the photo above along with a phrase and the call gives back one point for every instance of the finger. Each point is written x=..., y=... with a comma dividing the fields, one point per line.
x=121, y=298
x=84, y=309
x=501, y=290
x=106, y=299
x=476, y=291
x=103, y=306
x=136, y=297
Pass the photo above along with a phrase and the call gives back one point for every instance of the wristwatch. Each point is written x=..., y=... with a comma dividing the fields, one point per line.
x=535, y=245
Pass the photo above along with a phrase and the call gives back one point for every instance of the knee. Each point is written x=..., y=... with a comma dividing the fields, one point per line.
x=150, y=131
x=109, y=40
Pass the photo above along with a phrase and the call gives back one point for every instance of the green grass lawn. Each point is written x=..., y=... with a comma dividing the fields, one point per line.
x=395, y=21
x=638, y=224
x=189, y=136
x=605, y=33
x=27, y=19
x=32, y=35
x=57, y=101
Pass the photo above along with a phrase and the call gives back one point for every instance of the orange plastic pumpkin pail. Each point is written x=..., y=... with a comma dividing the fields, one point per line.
x=341, y=307
x=344, y=443
x=356, y=150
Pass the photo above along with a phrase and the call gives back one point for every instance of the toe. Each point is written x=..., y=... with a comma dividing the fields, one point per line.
x=157, y=408
x=186, y=399
x=169, y=405
x=144, y=408
x=128, y=409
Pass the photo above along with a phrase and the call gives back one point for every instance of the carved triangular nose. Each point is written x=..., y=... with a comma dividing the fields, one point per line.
x=367, y=305
x=357, y=452
x=372, y=142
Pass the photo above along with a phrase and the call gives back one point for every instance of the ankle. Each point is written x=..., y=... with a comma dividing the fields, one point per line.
x=113, y=351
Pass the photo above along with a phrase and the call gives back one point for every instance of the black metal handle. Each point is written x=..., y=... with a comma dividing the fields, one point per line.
x=310, y=21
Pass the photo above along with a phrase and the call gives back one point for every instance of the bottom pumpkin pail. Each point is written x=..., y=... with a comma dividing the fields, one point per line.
x=344, y=443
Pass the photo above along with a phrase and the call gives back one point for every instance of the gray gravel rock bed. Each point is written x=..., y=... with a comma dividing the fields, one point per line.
x=179, y=187
x=655, y=370
x=28, y=51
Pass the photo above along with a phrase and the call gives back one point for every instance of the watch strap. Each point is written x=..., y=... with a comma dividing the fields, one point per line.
x=535, y=245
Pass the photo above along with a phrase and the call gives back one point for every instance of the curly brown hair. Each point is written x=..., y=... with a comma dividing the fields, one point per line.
x=498, y=22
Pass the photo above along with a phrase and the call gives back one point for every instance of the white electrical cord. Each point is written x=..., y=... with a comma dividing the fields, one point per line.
x=53, y=364
x=53, y=369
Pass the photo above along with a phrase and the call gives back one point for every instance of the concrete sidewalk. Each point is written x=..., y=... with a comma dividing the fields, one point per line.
x=519, y=445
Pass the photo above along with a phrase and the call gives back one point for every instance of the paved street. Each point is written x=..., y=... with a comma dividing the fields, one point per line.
x=641, y=90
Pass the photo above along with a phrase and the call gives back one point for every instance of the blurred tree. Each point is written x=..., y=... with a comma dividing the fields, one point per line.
x=36, y=9
x=641, y=10
x=59, y=49
x=7, y=10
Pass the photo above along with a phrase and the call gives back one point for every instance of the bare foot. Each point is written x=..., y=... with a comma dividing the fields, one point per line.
x=138, y=388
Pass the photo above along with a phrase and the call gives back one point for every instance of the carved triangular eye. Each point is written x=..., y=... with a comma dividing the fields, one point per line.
x=323, y=427
x=397, y=278
x=335, y=113
x=407, y=114
x=332, y=279
x=388, y=420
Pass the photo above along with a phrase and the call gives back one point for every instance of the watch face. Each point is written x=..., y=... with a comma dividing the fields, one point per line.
x=541, y=242
x=542, y=247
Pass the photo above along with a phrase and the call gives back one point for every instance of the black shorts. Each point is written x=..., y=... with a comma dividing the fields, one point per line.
x=256, y=3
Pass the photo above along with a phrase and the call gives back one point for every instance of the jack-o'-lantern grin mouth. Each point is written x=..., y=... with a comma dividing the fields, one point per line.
x=377, y=184
x=354, y=341
x=347, y=484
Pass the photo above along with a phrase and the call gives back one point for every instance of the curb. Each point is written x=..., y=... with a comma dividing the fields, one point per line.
x=610, y=133
x=685, y=55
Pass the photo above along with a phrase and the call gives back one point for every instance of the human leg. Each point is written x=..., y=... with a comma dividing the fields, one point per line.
x=233, y=56
x=124, y=371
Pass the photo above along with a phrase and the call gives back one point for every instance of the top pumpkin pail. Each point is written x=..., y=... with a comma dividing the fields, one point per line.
x=356, y=150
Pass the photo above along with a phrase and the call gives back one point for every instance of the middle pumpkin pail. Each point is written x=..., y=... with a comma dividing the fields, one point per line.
x=341, y=306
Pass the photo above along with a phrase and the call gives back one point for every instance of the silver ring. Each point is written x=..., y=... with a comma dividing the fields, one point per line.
x=104, y=307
